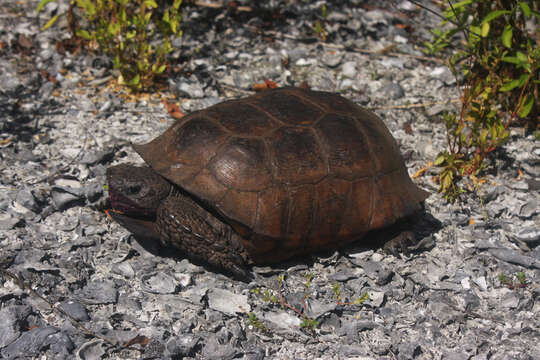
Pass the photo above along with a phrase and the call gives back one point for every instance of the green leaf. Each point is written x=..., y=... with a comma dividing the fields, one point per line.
x=485, y=29
x=526, y=106
x=523, y=79
x=525, y=8
x=507, y=36
x=324, y=11
x=521, y=277
x=113, y=29
x=509, y=86
x=483, y=136
x=514, y=83
x=511, y=59
x=440, y=159
x=495, y=14
x=493, y=131
x=520, y=59
x=521, y=56
x=446, y=180
x=161, y=69
x=150, y=4
x=167, y=47
x=475, y=30
x=429, y=46
x=42, y=4
x=88, y=7
x=361, y=299
x=84, y=34
x=131, y=34
x=50, y=23
x=177, y=4
x=166, y=17
x=502, y=131
x=462, y=4
x=134, y=81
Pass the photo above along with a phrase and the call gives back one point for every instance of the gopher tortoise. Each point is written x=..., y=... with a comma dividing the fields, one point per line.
x=262, y=179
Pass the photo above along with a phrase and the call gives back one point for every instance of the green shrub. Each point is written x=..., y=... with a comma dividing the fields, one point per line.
x=498, y=73
x=126, y=30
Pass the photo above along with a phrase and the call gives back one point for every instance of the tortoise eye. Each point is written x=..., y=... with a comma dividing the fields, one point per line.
x=133, y=189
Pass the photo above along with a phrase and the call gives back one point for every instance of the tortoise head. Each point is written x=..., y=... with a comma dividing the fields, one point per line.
x=136, y=191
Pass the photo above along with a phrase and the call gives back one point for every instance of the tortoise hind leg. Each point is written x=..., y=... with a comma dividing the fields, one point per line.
x=411, y=234
x=185, y=225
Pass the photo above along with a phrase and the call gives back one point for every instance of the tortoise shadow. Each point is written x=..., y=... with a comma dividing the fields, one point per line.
x=421, y=224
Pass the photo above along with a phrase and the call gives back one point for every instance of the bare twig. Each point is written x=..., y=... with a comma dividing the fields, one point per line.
x=444, y=18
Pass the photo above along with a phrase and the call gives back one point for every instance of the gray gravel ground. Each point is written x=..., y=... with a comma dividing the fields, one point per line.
x=62, y=124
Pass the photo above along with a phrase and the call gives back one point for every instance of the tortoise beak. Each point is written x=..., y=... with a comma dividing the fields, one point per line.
x=141, y=229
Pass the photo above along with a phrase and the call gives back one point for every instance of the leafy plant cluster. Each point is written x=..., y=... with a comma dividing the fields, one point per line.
x=498, y=72
x=319, y=27
x=510, y=283
x=276, y=297
x=126, y=30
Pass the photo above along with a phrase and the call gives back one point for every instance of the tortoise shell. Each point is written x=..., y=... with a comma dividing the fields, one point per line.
x=292, y=170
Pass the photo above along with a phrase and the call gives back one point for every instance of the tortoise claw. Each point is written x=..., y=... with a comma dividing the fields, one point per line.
x=240, y=273
x=400, y=244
